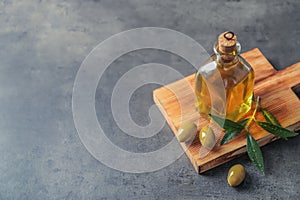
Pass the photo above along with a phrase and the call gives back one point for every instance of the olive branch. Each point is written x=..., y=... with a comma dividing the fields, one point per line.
x=271, y=125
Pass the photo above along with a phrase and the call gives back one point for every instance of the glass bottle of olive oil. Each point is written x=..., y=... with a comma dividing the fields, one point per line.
x=224, y=84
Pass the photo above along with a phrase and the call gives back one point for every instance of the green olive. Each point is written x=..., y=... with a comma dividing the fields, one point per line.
x=207, y=137
x=236, y=175
x=187, y=132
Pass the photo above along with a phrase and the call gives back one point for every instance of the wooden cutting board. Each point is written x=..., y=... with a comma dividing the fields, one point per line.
x=277, y=92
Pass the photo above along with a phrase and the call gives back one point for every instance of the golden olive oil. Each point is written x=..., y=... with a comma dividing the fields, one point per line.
x=224, y=85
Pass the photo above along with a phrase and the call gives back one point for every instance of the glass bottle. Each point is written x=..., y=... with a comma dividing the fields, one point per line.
x=224, y=84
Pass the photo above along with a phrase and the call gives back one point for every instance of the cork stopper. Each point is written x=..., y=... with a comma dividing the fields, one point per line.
x=227, y=42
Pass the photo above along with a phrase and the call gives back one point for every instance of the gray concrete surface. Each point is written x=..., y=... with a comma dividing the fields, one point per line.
x=42, y=46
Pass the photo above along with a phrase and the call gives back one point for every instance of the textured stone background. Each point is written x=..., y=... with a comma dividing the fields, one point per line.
x=42, y=46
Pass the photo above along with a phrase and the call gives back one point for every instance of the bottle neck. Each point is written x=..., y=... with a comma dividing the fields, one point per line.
x=227, y=58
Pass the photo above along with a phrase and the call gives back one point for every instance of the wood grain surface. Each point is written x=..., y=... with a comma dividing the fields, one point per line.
x=176, y=102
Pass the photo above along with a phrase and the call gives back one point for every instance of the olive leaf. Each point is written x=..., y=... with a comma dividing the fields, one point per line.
x=226, y=123
x=271, y=125
x=253, y=98
x=229, y=134
x=277, y=130
x=254, y=152
x=269, y=117
x=243, y=122
x=232, y=132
